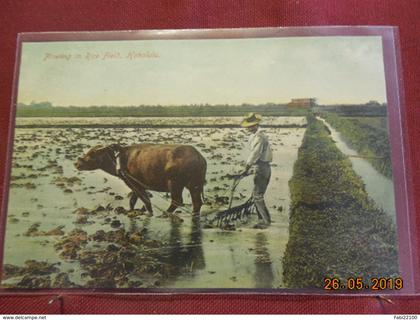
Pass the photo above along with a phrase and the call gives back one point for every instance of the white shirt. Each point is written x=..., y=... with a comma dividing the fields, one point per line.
x=260, y=148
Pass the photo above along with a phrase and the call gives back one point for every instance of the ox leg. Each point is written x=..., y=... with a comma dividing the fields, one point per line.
x=196, y=199
x=142, y=194
x=139, y=192
x=148, y=204
x=176, y=196
x=133, y=200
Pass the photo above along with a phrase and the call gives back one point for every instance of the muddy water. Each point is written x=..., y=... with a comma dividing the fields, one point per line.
x=202, y=258
x=379, y=187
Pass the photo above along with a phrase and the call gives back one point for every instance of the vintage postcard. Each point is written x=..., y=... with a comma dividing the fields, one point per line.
x=235, y=159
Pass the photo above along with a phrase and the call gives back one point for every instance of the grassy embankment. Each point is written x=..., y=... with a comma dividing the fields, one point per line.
x=335, y=228
x=355, y=110
x=368, y=136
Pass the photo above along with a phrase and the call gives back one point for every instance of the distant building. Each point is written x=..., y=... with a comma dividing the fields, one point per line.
x=302, y=103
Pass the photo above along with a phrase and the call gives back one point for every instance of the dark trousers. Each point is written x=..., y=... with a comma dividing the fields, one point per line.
x=261, y=180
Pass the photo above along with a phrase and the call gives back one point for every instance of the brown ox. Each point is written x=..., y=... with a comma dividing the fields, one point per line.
x=156, y=167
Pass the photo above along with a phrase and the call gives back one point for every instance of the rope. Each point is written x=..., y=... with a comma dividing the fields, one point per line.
x=151, y=203
x=217, y=209
x=222, y=218
x=130, y=185
x=180, y=205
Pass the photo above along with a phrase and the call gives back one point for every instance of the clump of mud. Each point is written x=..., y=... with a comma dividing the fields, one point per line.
x=66, y=183
x=70, y=244
x=34, y=232
x=115, y=258
x=37, y=274
x=27, y=185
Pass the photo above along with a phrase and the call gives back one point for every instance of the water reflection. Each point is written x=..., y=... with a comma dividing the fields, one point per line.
x=185, y=258
x=263, y=269
x=195, y=246
x=176, y=257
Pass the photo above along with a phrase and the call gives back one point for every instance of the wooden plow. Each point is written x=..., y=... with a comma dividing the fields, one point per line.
x=233, y=214
x=237, y=213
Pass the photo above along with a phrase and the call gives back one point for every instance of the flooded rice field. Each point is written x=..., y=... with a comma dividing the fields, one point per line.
x=70, y=228
x=155, y=121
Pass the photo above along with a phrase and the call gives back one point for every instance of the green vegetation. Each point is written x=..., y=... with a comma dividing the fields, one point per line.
x=372, y=109
x=335, y=228
x=380, y=123
x=368, y=136
x=45, y=109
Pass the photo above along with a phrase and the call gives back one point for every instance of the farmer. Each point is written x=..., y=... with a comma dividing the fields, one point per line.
x=260, y=157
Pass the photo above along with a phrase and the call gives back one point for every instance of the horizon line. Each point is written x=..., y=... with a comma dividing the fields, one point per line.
x=200, y=104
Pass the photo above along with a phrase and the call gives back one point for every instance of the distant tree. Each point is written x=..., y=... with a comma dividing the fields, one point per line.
x=43, y=104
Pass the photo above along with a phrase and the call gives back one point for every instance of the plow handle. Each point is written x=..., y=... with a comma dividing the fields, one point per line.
x=237, y=178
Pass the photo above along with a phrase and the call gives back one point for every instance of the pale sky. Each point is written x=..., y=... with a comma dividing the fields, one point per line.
x=232, y=71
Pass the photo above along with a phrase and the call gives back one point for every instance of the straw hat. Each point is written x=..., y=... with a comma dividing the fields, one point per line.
x=251, y=119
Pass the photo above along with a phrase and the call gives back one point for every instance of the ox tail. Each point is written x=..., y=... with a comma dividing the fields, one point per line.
x=204, y=179
x=203, y=198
